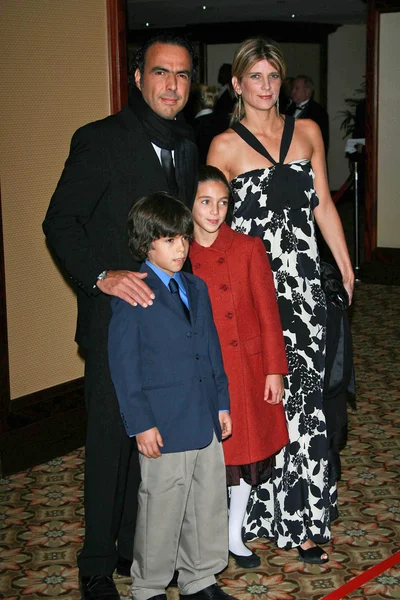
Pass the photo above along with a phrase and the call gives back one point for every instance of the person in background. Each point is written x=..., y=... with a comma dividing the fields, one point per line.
x=305, y=107
x=205, y=124
x=225, y=101
x=285, y=95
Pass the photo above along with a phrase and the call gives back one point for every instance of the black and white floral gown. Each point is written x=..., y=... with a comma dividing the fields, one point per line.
x=276, y=204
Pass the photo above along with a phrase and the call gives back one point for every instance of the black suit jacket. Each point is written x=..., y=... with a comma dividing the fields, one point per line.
x=111, y=164
x=206, y=128
x=314, y=111
x=224, y=104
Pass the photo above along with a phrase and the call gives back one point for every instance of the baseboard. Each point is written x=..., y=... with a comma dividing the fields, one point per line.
x=389, y=256
x=384, y=267
x=42, y=426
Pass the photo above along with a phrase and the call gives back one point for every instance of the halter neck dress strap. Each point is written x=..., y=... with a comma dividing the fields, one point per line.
x=252, y=141
x=287, y=136
x=284, y=190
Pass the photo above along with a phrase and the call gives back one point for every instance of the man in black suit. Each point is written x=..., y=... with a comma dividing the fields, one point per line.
x=225, y=101
x=305, y=107
x=206, y=124
x=145, y=148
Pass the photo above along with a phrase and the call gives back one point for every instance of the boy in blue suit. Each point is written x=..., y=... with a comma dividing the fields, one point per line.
x=167, y=369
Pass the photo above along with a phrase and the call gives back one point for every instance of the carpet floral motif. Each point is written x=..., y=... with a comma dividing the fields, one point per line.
x=41, y=510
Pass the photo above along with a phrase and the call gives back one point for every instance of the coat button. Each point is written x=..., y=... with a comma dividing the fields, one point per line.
x=189, y=334
x=197, y=265
x=200, y=380
x=234, y=343
x=229, y=315
x=223, y=287
x=197, y=356
x=221, y=260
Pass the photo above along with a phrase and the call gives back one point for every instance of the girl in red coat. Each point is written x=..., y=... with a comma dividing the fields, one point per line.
x=239, y=279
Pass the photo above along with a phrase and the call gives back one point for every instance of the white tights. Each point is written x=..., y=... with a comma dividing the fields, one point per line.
x=239, y=497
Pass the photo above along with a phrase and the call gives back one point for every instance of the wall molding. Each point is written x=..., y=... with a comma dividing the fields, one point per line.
x=375, y=9
x=4, y=362
x=117, y=49
x=43, y=425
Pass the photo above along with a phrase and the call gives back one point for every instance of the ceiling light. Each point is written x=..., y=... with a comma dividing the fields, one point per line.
x=204, y=7
x=147, y=24
x=293, y=16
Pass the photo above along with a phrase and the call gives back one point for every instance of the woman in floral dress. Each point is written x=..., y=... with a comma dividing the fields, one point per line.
x=277, y=170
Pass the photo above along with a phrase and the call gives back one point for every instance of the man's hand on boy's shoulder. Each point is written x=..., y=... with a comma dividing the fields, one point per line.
x=128, y=286
x=226, y=424
x=149, y=442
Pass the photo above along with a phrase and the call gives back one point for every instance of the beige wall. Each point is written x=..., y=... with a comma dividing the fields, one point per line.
x=346, y=69
x=54, y=78
x=300, y=59
x=389, y=132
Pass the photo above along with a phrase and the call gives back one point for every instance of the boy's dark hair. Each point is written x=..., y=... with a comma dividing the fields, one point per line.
x=210, y=173
x=154, y=217
x=170, y=38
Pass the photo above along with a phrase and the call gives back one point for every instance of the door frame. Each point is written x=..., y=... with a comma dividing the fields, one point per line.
x=375, y=9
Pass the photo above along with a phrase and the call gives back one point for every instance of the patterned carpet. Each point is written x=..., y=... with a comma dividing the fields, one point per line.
x=41, y=509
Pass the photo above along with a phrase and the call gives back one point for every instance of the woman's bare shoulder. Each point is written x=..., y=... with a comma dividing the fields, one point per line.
x=222, y=151
x=307, y=128
x=224, y=140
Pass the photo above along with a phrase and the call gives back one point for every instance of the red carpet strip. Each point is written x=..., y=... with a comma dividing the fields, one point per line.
x=363, y=578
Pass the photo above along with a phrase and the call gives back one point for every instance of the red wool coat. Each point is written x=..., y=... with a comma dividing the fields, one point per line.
x=240, y=283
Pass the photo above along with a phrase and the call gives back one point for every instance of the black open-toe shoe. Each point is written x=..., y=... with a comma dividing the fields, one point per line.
x=246, y=562
x=312, y=555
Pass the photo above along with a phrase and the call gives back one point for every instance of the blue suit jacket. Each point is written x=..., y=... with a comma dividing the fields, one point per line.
x=167, y=372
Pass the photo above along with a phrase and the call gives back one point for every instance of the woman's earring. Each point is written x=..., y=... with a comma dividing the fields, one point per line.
x=277, y=106
x=240, y=104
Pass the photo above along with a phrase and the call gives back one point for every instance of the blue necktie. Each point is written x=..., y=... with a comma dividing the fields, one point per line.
x=174, y=289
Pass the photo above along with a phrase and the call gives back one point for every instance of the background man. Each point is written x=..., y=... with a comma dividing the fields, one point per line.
x=225, y=101
x=141, y=150
x=305, y=107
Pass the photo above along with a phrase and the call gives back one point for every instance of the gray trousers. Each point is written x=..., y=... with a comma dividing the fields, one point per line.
x=182, y=521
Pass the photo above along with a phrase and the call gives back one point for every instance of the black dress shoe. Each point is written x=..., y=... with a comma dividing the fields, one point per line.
x=98, y=587
x=246, y=562
x=313, y=555
x=123, y=567
x=212, y=592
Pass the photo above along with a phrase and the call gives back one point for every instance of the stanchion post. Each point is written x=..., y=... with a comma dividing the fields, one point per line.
x=356, y=225
x=352, y=153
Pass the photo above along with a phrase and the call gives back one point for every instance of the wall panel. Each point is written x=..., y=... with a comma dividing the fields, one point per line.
x=388, y=195
x=55, y=77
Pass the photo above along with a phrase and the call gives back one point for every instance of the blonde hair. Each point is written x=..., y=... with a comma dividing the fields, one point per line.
x=250, y=52
x=204, y=96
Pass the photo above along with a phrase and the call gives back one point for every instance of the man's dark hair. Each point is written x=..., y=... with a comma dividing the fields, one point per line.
x=308, y=82
x=225, y=74
x=157, y=216
x=210, y=173
x=173, y=39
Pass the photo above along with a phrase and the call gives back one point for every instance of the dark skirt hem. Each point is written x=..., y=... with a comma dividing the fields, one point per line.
x=253, y=474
